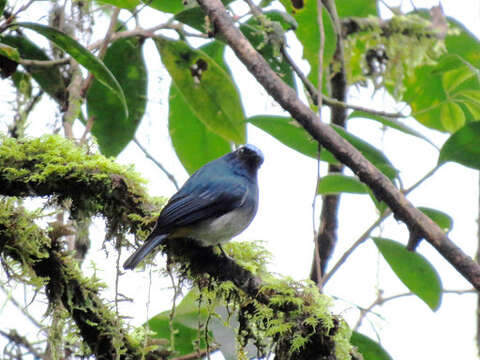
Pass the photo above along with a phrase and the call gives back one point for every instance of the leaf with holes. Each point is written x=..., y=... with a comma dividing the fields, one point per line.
x=413, y=270
x=206, y=87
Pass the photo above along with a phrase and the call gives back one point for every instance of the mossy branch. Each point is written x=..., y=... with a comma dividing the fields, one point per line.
x=44, y=262
x=52, y=166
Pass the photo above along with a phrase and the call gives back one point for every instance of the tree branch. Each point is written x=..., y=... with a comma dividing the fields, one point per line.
x=382, y=187
x=53, y=166
x=101, y=329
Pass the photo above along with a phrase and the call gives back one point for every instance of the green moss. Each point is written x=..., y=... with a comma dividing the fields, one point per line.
x=407, y=40
x=94, y=185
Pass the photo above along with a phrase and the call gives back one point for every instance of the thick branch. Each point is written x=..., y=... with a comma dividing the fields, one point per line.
x=343, y=151
x=52, y=166
x=101, y=329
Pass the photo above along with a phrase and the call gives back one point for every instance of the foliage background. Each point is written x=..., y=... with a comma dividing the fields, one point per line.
x=283, y=178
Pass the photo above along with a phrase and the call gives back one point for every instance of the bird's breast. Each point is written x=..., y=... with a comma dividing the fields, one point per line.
x=221, y=229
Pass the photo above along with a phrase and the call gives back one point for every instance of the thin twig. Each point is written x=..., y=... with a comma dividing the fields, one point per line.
x=160, y=166
x=22, y=309
x=377, y=222
x=356, y=244
x=319, y=91
x=380, y=300
x=328, y=100
x=422, y=179
x=103, y=47
x=15, y=337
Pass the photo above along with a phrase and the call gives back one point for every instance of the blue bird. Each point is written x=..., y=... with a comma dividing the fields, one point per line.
x=218, y=202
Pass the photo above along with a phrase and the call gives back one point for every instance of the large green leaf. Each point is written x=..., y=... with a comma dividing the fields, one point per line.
x=111, y=127
x=194, y=144
x=370, y=350
x=290, y=133
x=357, y=8
x=392, y=123
x=3, y=3
x=463, y=146
x=444, y=221
x=375, y=156
x=169, y=6
x=260, y=40
x=124, y=4
x=464, y=43
x=339, y=183
x=206, y=87
x=48, y=77
x=437, y=94
x=84, y=57
x=305, y=13
x=413, y=270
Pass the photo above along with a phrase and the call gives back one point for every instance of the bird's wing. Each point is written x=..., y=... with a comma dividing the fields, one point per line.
x=202, y=203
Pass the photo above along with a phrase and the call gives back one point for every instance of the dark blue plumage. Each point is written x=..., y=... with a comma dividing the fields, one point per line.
x=218, y=202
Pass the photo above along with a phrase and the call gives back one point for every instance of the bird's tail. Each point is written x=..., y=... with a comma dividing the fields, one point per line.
x=143, y=251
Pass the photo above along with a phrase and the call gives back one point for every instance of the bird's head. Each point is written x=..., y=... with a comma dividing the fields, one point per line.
x=249, y=155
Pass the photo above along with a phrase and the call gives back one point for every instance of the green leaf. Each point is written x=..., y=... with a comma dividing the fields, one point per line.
x=290, y=133
x=112, y=129
x=375, y=156
x=83, y=56
x=413, y=270
x=444, y=221
x=3, y=3
x=308, y=34
x=260, y=41
x=464, y=44
x=124, y=4
x=338, y=183
x=451, y=116
x=9, y=52
x=206, y=87
x=185, y=324
x=392, y=123
x=370, y=350
x=357, y=8
x=23, y=83
x=216, y=50
x=434, y=93
x=47, y=77
x=452, y=79
x=168, y=6
x=471, y=100
x=463, y=146
x=194, y=144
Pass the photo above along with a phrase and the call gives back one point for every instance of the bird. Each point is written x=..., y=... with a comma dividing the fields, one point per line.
x=215, y=204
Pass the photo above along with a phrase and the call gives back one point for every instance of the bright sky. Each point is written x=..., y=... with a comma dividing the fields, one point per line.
x=407, y=328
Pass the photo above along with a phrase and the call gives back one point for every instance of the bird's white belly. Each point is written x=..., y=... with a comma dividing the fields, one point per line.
x=223, y=228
